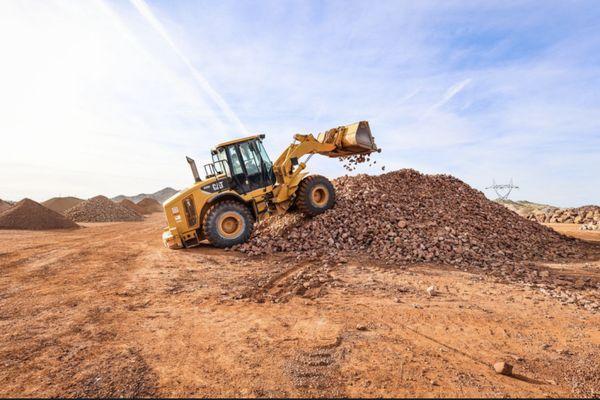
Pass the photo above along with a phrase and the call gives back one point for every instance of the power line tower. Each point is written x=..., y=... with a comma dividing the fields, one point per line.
x=503, y=190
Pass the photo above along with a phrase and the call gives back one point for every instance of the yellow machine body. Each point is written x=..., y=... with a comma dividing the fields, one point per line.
x=186, y=211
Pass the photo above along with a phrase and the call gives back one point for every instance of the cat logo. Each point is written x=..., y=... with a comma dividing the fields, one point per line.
x=214, y=187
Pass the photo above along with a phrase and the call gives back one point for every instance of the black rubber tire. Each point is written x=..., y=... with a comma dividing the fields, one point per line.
x=211, y=229
x=305, y=201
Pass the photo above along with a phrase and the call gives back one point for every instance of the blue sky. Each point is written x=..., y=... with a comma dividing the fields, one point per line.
x=109, y=96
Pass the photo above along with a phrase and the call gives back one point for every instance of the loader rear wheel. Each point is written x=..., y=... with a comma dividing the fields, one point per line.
x=228, y=223
x=315, y=195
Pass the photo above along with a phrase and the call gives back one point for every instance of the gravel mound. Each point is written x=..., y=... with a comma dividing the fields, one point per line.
x=61, y=204
x=404, y=217
x=28, y=214
x=150, y=205
x=101, y=209
x=132, y=206
x=580, y=215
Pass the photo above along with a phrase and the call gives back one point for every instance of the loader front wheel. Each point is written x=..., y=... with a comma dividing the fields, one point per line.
x=228, y=223
x=315, y=195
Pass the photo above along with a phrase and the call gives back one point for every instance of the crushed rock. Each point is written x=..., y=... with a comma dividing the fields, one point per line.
x=405, y=217
x=150, y=205
x=132, y=206
x=101, y=209
x=28, y=214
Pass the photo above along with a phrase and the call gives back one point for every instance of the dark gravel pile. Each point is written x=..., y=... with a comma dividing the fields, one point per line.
x=404, y=217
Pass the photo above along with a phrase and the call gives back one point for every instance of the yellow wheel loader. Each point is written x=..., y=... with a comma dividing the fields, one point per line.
x=243, y=186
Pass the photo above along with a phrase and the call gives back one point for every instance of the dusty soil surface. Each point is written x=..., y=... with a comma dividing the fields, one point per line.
x=107, y=311
x=575, y=231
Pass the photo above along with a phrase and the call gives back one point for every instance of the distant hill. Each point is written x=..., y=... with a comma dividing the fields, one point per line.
x=159, y=196
x=524, y=207
x=60, y=204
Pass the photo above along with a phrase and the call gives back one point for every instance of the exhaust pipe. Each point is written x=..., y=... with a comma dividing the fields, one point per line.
x=193, y=167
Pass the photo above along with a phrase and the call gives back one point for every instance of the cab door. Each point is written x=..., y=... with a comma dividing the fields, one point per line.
x=251, y=162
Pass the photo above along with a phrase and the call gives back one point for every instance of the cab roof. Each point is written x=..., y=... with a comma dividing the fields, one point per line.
x=234, y=141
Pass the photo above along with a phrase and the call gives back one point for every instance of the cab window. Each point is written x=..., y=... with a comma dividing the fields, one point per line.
x=236, y=165
x=250, y=158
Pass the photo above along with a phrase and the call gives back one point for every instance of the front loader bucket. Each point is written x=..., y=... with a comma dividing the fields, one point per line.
x=350, y=139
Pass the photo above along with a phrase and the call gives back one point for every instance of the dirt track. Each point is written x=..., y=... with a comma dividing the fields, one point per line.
x=107, y=311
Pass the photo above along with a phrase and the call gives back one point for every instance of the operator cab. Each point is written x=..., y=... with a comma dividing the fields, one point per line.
x=245, y=164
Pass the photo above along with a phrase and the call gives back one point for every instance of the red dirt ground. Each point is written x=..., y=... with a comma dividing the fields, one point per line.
x=108, y=311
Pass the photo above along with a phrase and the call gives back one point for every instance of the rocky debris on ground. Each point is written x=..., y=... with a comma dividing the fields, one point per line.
x=583, y=375
x=580, y=215
x=101, y=209
x=4, y=205
x=406, y=217
x=61, y=204
x=592, y=226
x=150, y=205
x=589, y=300
x=28, y=214
x=309, y=281
x=132, y=206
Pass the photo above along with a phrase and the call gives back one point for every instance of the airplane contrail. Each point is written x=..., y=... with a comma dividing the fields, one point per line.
x=145, y=11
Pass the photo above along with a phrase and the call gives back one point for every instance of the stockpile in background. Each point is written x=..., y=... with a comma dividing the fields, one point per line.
x=28, y=214
x=149, y=205
x=61, y=204
x=101, y=209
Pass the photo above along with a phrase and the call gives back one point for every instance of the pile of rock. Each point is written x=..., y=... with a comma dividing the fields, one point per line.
x=101, y=209
x=406, y=217
x=132, y=206
x=28, y=214
x=592, y=226
x=149, y=205
x=580, y=215
x=61, y=204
